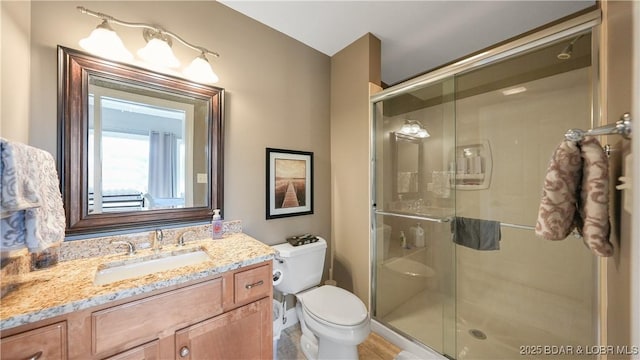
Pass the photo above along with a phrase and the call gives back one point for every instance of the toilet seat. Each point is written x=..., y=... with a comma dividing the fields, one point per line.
x=334, y=306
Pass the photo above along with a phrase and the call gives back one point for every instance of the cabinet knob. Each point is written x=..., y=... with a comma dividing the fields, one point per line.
x=184, y=351
x=249, y=286
x=35, y=356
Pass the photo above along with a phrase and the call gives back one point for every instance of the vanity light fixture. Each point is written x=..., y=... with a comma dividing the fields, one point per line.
x=104, y=42
x=414, y=128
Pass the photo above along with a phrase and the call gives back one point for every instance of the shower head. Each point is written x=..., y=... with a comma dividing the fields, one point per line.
x=568, y=50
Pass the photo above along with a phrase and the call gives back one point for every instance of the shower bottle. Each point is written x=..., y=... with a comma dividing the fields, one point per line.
x=418, y=236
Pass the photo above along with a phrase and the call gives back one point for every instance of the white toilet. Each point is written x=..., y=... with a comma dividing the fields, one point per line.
x=333, y=320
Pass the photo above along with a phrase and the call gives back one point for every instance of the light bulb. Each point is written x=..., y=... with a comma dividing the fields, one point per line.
x=104, y=42
x=158, y=53
x=422, y=133
x=405, y=129
x=415, y=128
x=200, y=71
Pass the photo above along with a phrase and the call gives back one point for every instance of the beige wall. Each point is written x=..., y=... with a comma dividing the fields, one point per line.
x=277, y=94
x=352, y=69
x=14, y=66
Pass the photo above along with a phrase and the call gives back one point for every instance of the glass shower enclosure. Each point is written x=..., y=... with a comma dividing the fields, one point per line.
x=474, y=142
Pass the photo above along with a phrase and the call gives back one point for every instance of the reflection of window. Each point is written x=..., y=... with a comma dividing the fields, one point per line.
x=142, y=151
x=126, y=166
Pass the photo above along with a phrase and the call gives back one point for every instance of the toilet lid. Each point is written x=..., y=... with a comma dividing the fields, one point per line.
x=335, y=305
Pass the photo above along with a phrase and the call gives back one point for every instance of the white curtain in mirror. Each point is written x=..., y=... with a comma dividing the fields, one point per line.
x=163, y=169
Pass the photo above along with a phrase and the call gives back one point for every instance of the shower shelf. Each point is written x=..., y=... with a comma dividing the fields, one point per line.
x=474, y=163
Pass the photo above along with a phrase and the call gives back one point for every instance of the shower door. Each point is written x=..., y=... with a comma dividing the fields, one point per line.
x=414, y=265
x=492, y=129
x=531, y=292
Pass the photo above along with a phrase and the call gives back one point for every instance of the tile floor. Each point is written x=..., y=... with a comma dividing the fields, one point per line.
x=373, y=348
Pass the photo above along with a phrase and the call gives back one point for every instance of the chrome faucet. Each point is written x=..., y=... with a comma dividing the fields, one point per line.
x=132, y=249
x=181, y=241
x=156, y=245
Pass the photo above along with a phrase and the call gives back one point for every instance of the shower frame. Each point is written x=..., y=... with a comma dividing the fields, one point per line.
x=580, y=23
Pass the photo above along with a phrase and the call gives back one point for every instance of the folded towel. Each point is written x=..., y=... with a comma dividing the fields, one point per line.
x=576, y=195
x=407, y=182
x=476, y=234
x=32, y=210
x=18, y=192
x=556, y=215
x=593, y=224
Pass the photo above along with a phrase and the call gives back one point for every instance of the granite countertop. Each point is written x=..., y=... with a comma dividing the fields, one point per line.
x=68, y=286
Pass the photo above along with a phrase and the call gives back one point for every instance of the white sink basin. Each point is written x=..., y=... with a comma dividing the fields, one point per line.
x=133, y=268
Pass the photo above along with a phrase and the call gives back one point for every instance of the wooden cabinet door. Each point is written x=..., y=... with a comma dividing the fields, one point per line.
x=48, y=342
x=148, y=351
x=244, y=333
x=131, y=324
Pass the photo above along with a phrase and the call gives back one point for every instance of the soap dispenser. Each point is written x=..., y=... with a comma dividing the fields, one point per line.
x=216, y=225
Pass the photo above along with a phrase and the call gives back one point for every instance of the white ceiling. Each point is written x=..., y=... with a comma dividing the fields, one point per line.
x=416, y=35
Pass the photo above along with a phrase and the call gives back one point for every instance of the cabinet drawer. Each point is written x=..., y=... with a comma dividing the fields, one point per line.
x=48, y=342
x=252, y=284
x=131, y=324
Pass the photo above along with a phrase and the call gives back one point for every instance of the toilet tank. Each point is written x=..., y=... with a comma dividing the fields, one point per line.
x=301, y=266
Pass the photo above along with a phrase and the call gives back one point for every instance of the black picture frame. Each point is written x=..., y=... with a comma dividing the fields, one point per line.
x=289, y=183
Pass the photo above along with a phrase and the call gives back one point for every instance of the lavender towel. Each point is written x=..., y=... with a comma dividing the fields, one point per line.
x=575, y=195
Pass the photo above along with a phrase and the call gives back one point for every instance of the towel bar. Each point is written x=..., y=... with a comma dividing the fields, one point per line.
x=518, y=226
x=621, y=127
x=415, y=217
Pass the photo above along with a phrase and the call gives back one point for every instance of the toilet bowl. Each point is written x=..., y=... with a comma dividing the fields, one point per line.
x=333, y=322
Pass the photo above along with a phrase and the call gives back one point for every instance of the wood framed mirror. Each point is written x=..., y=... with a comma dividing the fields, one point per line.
x=137, y=149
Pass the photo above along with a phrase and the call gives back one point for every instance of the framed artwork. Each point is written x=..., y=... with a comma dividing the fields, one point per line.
x=289, y=183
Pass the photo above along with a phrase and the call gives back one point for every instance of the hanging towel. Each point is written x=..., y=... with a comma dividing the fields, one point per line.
x=476, y=234
x=31, y=206
x=557, y=211
x=18, y=191
x=593, y=223
x=576, y=195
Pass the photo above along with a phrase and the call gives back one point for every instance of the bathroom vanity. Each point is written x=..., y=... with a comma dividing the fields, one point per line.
x=215, y=310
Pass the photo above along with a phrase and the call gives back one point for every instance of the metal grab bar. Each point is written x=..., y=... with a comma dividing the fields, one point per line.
x=446, y=219
x=518, y=226
x=414, y=217
x=621, y=127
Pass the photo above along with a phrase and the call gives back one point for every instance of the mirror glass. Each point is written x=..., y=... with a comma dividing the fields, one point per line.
x=143, y=142
x=139, y=148
x=408, y=165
